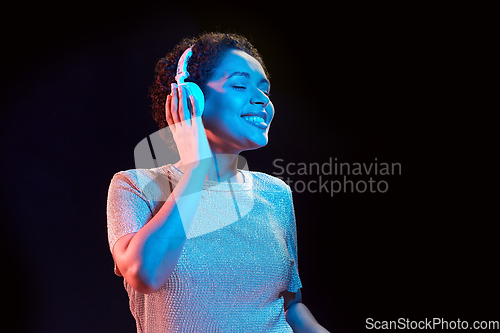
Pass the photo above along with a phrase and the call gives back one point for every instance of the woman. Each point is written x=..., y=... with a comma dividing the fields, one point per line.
x=203, y=246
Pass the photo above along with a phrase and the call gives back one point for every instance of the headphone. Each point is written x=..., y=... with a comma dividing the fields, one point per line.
x=191, y=87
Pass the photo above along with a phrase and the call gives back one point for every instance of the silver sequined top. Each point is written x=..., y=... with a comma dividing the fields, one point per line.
x=240, y=253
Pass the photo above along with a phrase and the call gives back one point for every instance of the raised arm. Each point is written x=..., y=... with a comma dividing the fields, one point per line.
x=147, y=258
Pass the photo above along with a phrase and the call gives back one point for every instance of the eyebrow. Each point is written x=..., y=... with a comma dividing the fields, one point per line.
x=247, y=75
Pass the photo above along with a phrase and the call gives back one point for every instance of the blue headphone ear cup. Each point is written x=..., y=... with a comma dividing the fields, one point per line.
x=199, y=98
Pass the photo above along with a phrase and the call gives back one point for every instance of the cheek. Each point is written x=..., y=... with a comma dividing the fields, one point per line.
x=222, y=105
x=212, y=106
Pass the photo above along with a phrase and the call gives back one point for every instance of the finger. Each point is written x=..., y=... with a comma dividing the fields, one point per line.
x=183, y=106
x=180, y=106
x=168, y=113
x=193, y=108
x=188, y=111
x=174, y=103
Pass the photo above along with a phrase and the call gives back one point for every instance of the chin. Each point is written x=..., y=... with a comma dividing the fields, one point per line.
x=257, y=143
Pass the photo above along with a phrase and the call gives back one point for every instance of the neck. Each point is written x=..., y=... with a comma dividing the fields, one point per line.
x=222, y=168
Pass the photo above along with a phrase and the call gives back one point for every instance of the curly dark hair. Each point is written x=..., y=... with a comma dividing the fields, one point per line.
x=209, y=49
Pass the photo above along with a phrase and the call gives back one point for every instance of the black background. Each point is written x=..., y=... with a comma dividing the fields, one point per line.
x=353, y=83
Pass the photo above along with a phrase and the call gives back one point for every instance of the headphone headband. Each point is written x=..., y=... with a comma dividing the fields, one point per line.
x=182, y=72
x=192, y=88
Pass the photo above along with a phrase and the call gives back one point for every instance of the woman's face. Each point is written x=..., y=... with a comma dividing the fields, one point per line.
x=238, y=111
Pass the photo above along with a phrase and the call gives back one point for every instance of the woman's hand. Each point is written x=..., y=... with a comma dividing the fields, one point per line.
x=187, y=129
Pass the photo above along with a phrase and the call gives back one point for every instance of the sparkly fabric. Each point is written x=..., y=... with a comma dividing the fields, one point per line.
x=241, y=252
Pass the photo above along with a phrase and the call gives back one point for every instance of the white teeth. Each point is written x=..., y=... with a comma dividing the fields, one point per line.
x=254, y=118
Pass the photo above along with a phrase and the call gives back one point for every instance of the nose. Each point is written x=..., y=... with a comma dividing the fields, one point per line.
x=260, y=98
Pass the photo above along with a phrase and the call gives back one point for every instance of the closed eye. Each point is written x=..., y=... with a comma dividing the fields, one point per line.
x=266, y=92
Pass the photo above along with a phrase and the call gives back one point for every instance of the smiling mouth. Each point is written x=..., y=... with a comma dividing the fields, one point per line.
x=256, y=120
